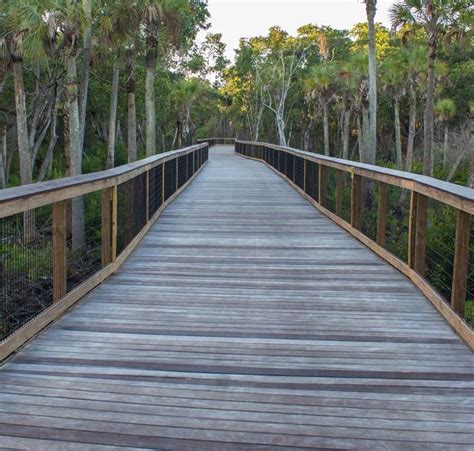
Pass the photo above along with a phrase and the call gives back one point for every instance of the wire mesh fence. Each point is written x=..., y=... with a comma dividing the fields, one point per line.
x=26, y=282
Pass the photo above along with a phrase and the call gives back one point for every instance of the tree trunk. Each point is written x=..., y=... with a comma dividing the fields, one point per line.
x=150, y=108
x=372, y=138
x=345, y=134
x=3, y=157
x=360, y=138
x=46, y=166
x=428, y=136
x=446, y=147
x=131, y=127
x=326, y=128
x=72, y=138
x=26, y=175
x=86, y=61
x=411, y=128
x=22, y=125
x=280, y=123
x=366, y=155
x=113, y=116
x=398, y=138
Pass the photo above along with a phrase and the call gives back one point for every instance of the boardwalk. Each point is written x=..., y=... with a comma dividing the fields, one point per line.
x=244, y=319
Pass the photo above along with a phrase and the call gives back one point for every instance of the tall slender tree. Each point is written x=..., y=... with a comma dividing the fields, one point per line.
x=371, y=9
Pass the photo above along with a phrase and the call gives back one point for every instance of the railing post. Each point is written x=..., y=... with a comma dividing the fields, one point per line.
x=323, y=178
x=109, y=225
x=304, y=175
x=382, y=214
x=461, y=262
x=163, y=180
x=356, y=200
x=147, y=195
x=339, y=192
x=417, y=232
x=59, y=250
x=177, y=174
x=294, y=169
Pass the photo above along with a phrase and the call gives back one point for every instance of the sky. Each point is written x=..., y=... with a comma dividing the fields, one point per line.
x=247, y=18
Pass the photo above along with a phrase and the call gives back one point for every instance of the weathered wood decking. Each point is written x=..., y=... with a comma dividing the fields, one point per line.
x=244, y=319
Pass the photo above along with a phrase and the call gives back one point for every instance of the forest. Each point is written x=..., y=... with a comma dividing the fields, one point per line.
x=86, y=85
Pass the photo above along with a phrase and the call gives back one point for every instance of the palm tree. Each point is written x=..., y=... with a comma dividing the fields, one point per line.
x=26, y=37
x=433, y=16
x=445, y=109
x=415, y=63
x=70, y=19
x=171, y=23
x=393, y=80
x=371, y=9
x=320, y=84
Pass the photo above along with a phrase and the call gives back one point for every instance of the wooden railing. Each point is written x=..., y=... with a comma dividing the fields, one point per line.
x=217, y=141
x=60, y=239
x=420, y=225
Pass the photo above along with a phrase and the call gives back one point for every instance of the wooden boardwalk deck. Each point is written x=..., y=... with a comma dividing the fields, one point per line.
x=245, y=319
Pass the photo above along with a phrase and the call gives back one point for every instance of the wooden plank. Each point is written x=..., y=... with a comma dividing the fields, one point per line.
x=382, y=212
x=339, y=192
x=461, y=262
x=322, y=184
x=417, y=233
x=109, y=226
x=356, y=200
x=59, y=250
x=147, y=195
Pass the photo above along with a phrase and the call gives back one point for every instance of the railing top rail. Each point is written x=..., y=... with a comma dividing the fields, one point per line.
x=23, y=198
x=460, y=197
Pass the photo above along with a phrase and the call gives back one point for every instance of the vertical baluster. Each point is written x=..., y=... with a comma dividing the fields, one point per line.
x=322, y=184
x=417, y=232
x=59, y=250
x=382, y=214
x=304, y=175
x=147, y=195
x=109, y=225
x=356, y=200
x=339, y=192
x=461, y=262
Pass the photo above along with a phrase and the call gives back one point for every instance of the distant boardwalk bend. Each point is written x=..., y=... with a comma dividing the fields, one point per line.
x=245, y=318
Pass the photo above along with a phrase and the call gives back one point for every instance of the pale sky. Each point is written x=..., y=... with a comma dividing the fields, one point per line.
x=247, y=18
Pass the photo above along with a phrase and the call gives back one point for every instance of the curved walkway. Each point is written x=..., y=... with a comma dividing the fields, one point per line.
x=245, y=318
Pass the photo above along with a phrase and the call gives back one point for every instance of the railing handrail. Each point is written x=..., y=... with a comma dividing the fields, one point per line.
x=22, y=198
x=457, y=196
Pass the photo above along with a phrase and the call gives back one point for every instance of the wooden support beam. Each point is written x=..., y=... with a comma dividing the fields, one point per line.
x=304, y=176
x=461, y=262
x=147, y=195
x=163, y=167
x=339, y=192
x=382, y=214
x=322, y=184
x=59, y=250
x=417, y=232
x=356, y=200
x=109, y=225
x=177, y=174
